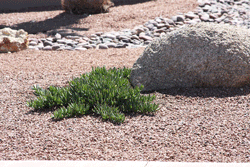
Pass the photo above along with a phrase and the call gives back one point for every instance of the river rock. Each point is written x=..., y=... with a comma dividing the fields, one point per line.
x=13, y=40
x=201, y=55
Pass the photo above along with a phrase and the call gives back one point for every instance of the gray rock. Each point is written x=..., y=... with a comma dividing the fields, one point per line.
x=204, y=17
x=135, y=37
x=191, y=15
x=160, y=25
x=213, y=16
x=32, y=43
x=56, y=46
x=61, y=41
x=88, y=46
x=158, y=20
x=72, y=37
x=33, y=47
x=93, y=45
x=194, y=21
x=80, y=48
x=121, y=45
x=98, y=33
x=47, y=43
x=71, y=43
x=47, y=48
x=58, y=36
x=178, y=18
x=220, y=19
x=163, y=29
x=103, y=46
x=207, y=8
x=149, y=26
x=139, y=29
x=145, y=37
x=49, y=39
x=169, y=21
x=105, y=40
x=111, y=36
x=111, y=45
x=40, y=46
x=68, y=48
x=201, y=55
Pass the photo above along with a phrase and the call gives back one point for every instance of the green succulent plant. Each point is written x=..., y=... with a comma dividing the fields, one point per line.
x=107, y=93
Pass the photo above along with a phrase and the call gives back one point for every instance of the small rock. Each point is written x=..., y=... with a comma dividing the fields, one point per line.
x=48, y=47
x=58, y=36
x=55, y=47
x=33, y=47
x=80, y=49
x=61, y=41
x=110, y=36
x=103, y=46
x=204, y=17
x=47, y=43
x=111, y=45
x=121, y=45
x=32, y=43
x=145, y=37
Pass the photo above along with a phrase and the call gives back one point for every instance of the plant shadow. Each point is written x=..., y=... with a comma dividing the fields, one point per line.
x=128, y=115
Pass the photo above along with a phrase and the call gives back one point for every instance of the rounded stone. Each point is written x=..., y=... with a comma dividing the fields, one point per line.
x=102, y=46
x=80, y=49
x=195, y=56
x=47, y=43
x=47, y=48
x=32, y=43
x=55, y=47
x=61, y=41
x=58, y=36
x=111, y=45
x=33, y=47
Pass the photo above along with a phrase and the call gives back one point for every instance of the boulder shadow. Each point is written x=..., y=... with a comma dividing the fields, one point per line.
x=32, y=9
x=59, y=7
x=62, y=20
x=128, y=2
x=219, y=92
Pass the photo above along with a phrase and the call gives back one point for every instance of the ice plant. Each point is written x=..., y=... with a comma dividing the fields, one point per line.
x=107, y=93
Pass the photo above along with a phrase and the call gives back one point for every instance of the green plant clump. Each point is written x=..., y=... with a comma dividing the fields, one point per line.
x=107, y=93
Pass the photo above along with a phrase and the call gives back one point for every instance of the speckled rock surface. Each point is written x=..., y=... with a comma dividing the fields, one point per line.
x=201, y=55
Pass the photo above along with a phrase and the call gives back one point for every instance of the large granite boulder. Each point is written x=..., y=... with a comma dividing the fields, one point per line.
x=86, y=6
x=201, y=55
x=13, y=40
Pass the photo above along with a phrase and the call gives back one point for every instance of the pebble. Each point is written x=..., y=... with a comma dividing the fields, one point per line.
x=111, y=45
x=80, y=49
x=58, y=36
x=234, y=12
x=103, y=46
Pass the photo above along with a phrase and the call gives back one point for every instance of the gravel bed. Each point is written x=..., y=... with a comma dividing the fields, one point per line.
x=192, y=125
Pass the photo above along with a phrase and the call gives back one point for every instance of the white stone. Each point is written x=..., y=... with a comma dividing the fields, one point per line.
x=13, y=40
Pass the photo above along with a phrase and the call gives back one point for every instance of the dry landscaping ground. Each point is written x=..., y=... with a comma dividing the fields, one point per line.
x=192, y=125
